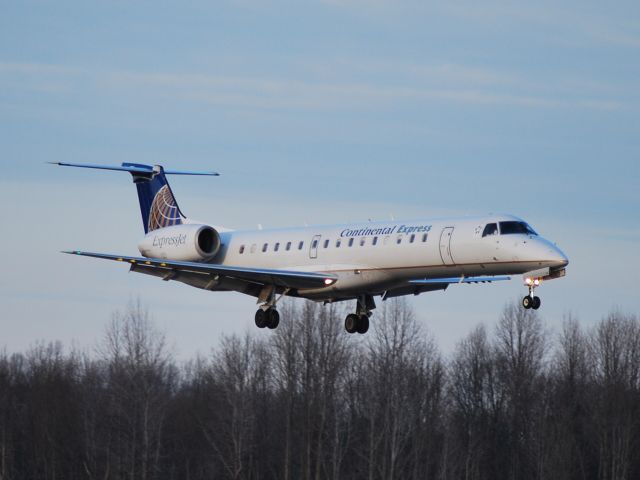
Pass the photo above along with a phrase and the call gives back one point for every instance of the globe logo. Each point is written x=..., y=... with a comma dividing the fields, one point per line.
x=164, y=210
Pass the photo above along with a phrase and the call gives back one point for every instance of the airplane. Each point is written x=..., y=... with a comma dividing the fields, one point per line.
x=356, y=261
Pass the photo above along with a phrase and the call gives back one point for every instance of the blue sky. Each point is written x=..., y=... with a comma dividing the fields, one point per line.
x=314, y=112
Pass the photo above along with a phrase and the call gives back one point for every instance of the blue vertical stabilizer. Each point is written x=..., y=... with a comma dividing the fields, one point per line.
x=158, y=206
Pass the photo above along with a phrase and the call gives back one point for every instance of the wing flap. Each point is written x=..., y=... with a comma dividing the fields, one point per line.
x=265, y=276
x=461, y=279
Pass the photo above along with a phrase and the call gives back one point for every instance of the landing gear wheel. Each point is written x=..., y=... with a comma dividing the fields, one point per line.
x=261, y=318
x=363, y=324
x=351, y=323
x=527, y=302
x=273, y=318
x=536, y=303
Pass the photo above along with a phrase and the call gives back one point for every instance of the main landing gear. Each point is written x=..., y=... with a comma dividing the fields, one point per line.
x=267, y=318
x=359, y=321
x=267, y=315
x=531, y=301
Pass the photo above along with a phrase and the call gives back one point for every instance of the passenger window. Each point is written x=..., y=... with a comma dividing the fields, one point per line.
x=264, y=247
x=276, y=246
x=362, y=241
x=326, y=243
x=288, y=247
x=424, y=237
x=490, y=229
x=241, y=249
x=374, y=241
x=300, y=245
x=412, y=238
x=314, y=244
x=338, y=243
x=351, y=242
x=399, y=240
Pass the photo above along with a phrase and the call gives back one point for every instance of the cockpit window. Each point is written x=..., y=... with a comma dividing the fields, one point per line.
x=490, y=229
x=510, y=228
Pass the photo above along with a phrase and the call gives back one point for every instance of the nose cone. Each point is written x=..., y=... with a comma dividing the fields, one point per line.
x=556, y=258
x=546, y=254
x=551, y=255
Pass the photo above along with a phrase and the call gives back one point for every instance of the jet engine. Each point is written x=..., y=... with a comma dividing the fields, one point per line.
x=186, y=242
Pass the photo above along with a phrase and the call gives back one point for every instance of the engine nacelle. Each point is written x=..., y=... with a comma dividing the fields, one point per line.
x=189, y=243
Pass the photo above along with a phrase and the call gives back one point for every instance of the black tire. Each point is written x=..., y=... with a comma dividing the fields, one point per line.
x=527, y=302
x=273, y=318
x=536, y=303
x=261, y=318
x=351, y=323
x=363, y=324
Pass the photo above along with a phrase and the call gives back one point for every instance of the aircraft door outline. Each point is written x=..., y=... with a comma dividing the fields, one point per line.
x=313, y=249
x=445, y=246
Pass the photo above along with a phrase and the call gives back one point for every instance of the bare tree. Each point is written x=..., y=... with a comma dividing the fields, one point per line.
x=7, y=383
x=615, y=349
x=311, y=354
x=569, y=453
x=400, y=382
x=310, y=401
x=324, y=355
x=141, y=377
x=287, y=366
x=96, y=432
x=476, y=408
x=235, y=375
x=521, y=348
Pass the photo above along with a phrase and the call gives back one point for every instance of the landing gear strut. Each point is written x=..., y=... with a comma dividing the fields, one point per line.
x=359, y=321
x=531, y=301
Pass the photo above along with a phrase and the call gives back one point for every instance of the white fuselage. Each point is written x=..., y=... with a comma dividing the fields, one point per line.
x=378, y=257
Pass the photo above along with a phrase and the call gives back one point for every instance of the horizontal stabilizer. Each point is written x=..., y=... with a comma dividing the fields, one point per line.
x=133, y=168
x=452, y=280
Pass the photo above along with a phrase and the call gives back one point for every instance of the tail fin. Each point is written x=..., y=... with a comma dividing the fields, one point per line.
x=158, y=205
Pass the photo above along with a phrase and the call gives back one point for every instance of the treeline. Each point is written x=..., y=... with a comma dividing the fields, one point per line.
x=309, y=401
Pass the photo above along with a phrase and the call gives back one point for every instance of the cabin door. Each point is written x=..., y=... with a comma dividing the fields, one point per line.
x=313, y=250
x=445, y=246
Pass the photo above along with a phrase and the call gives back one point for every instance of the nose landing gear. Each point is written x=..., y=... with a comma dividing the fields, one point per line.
x=531, y=301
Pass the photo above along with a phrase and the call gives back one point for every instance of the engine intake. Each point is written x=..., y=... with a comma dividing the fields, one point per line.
x=190, y=243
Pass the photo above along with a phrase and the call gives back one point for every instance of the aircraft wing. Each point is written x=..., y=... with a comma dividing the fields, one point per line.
x=264, y=276
x=461, y=279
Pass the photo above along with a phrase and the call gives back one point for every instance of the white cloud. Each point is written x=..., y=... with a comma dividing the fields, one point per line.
x=40, y=69
x=418, y=84
x=579, y=25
